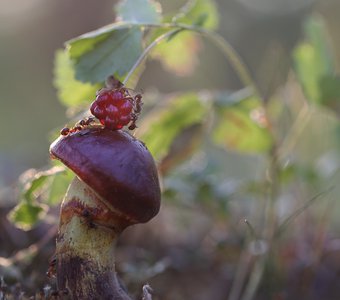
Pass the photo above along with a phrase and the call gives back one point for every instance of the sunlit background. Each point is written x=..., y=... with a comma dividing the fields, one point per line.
x=264, y=33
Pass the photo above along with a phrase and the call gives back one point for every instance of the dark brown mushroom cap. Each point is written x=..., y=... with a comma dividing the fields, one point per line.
x=115, y=165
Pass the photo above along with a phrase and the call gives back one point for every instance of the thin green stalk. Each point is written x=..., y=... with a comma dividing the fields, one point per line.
x=229, y=52
x=240, y=276
x=146, y=52
x=300, y=210
x=234, y=59
x=243, y=267
x=255, y=279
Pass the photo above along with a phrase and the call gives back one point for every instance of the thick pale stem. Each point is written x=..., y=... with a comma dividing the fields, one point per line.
x=85, y=246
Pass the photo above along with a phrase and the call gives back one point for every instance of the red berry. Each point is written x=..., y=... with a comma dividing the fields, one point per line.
x=124, y=120
x=112, y=111
x=103, y=98
x=126, y=107
x=113, y=108
x=98, y=112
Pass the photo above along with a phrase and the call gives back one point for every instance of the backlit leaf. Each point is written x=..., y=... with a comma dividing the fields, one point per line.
x=242, y=127
x=313, y=60
x=179, y=54
x=32, y=180
x=98, y=56
x=113, y=49
x=138, y=11
x=202, y=13
x=166, y=123
x=25, y=215
x=32, y=185
x=58, y=187
x=71, y=92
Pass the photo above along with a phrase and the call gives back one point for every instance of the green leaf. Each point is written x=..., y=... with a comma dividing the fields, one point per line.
x=139, y=11
x=241, y=126
x=113, y=49
x=86, y=42
x=32, y=181
x=183, y=146
x=330, y=91
x=70, y=91
x=179, y=54
x=165, y=124
x=25, y=215
x=203, y=13
x=58, y=187
x=102, y=53
x=32, y=184
x=313, y=60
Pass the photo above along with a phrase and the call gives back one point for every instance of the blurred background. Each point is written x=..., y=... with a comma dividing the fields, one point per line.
x=203, y=247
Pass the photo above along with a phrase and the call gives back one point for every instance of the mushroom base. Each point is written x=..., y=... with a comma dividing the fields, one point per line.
x=85, y=265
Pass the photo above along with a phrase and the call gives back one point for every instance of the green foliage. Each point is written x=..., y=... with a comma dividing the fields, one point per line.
x=32, y=181
x=139, y=11
x=314, y=62
x=330, y=91
x=172, y=118
x=25, y=215
x=201, y=181
x=70, y=91
x=241, y=125
x=198, y=13
x=185, y=43
x=58, y=186
x=112, y=50
x=111, y=53
x=201, y=13
x=32, y=185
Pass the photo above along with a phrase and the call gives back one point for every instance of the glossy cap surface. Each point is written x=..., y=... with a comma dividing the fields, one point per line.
x=116, y=166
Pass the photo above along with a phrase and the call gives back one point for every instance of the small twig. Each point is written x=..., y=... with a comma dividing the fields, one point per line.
x=254, y=279
x=147, y=290
x=296, y=213
x=295, y=131
x=251, y=229
x=242, y=270
x=243, y=266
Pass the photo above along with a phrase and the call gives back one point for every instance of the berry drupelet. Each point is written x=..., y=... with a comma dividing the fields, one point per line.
x=115, y=108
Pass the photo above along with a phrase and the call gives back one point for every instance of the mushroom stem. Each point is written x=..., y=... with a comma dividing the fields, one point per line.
x=85, y=246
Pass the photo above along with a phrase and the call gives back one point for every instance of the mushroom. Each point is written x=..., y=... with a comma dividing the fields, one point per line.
x=116, y=185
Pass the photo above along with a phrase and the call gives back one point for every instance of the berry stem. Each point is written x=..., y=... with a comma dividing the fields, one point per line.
x=146, y=52
x=220, y=42
x=234, y=59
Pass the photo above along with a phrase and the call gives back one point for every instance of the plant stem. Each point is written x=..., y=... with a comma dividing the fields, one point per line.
x=146, y=52
x=234, y=59
x=221, y=43
x=240, y=275
x=255, y=279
